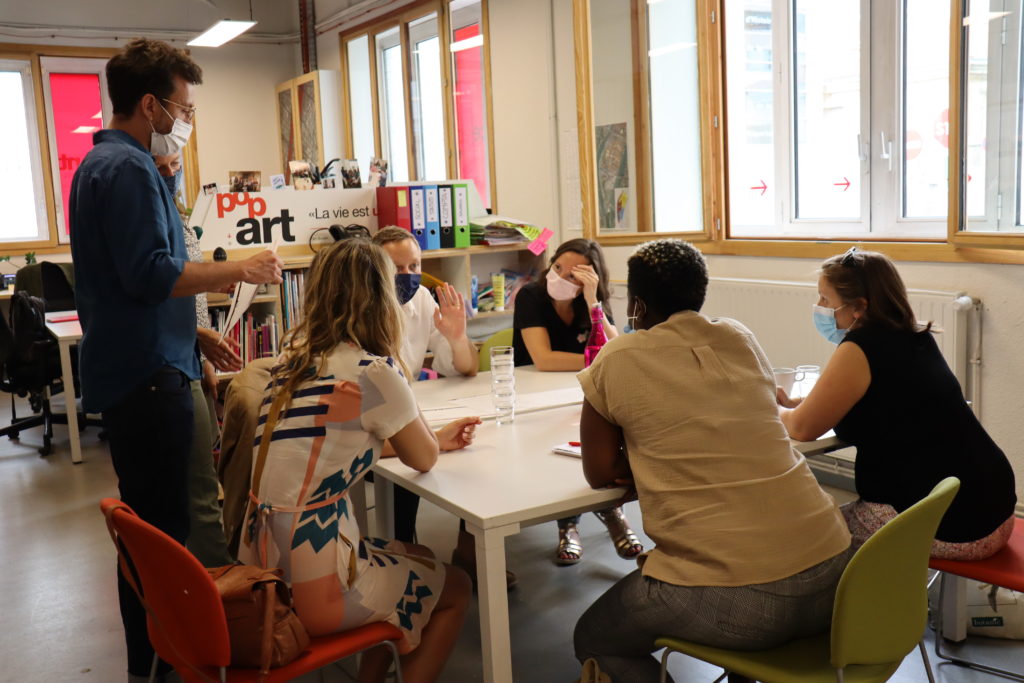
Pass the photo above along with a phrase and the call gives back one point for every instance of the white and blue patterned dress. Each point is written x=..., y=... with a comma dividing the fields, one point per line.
x=301, y=519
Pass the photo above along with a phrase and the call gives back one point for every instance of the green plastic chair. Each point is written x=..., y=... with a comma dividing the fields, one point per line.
x=879, y=614
x=500, y=338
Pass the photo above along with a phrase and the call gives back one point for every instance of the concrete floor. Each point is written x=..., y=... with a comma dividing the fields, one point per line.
x=60, y=617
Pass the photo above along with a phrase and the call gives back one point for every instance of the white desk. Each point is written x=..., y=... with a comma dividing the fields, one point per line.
x=68, y=334
x=506, y=480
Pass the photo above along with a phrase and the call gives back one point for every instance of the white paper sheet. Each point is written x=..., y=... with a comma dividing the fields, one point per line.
x=481, y=405
x=241, y=299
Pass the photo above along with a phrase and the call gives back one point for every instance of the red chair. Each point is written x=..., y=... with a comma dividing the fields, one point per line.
x=186, y=618
x=1005, y=568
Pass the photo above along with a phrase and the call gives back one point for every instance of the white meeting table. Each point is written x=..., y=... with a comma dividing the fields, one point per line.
x=67, y=335
x=506, y=480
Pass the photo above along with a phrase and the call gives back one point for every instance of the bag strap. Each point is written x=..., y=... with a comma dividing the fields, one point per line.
x=268, y=433
x=129, y=577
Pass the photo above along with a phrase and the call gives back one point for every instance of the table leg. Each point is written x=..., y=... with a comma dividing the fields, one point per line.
x=954, y=607
x=384, y=506
x=69, y=399
x=493, y=595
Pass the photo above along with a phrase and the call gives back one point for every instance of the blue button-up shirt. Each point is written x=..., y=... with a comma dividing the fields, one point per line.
x=129, y=250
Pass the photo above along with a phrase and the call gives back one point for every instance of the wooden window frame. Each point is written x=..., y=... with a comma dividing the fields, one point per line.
x=960, y=246
x=401, y=19
x=32, y=54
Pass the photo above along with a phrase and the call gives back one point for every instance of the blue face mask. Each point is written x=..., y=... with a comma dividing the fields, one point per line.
x=825, y=323
x=173, y=183
x=407, y=285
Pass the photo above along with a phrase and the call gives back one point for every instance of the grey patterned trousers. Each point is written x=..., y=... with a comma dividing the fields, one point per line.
x=620, y=628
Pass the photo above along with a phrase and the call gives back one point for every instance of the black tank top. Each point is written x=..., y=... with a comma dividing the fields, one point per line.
x=913, y=428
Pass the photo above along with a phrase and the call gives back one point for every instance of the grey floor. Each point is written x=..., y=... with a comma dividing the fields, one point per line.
x=59, y=609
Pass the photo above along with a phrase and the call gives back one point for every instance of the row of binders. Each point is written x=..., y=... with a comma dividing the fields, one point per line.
x=437, y=215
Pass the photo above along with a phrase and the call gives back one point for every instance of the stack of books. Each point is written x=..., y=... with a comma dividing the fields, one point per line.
x=293, y=290
x=256, y=335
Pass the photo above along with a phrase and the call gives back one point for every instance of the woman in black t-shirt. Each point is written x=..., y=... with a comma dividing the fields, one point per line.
x=550, y=330
x=888, y=391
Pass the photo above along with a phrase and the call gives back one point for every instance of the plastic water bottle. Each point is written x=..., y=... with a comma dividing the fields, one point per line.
x=503, y=384
x=597, y=338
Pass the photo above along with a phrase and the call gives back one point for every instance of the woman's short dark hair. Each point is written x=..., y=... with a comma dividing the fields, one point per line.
x=145, y=67
x=669, y=275
x=590, y=250
x=873, y=277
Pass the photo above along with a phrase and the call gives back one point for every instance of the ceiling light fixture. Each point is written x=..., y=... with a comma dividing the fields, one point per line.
x=223, y=31
x=467, y=43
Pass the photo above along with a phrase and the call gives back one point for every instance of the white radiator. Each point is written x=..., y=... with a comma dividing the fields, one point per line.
x=779, y=315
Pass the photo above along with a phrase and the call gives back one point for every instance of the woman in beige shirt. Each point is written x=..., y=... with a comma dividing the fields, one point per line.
x=748, y=548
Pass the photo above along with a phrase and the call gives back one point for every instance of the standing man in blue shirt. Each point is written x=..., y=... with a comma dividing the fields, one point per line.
x=134, y=291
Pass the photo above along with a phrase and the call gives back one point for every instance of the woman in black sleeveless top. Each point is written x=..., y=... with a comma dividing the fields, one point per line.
x=888, y=391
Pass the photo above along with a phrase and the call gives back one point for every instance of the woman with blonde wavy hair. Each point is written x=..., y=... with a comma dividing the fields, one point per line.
x=338, y=393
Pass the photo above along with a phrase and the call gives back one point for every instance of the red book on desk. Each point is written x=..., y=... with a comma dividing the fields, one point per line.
x=63, y=318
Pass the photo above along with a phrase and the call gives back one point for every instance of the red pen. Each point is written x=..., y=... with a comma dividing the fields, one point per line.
x=575, y=443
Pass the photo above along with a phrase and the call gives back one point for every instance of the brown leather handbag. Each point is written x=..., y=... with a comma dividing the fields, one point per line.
x=264, y=630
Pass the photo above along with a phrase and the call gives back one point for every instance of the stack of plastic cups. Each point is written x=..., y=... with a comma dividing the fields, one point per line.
x=503, y=384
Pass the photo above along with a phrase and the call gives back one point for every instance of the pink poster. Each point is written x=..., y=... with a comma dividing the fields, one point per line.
x=469, y=112
x=76, y=116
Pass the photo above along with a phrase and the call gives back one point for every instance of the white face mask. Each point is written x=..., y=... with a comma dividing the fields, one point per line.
x=561, y=289
x=163, y=144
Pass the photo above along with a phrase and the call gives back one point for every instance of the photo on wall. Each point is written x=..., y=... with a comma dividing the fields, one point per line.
x=302, y=175
x=378, y=172
x=329, y=183
x=245, y=181
x=612, y=174
x=350, y=173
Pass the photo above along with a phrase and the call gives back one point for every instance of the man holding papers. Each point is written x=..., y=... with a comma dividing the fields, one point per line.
x=134, y=292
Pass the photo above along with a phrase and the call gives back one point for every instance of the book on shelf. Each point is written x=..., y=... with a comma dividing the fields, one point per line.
x=293, y=289
x=256, y=334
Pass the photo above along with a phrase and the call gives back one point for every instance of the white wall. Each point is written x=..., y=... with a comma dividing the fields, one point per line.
x=236, y=123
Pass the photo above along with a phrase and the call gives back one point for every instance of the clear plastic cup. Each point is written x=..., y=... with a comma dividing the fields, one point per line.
x=503, y=384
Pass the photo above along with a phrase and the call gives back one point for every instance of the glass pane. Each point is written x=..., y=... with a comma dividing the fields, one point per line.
x=391, y=91
x=76, y=109
x=675, y=115
x=21, y=187
x=360, y=102
x=750, y=115
x=471, y=135
x=307, y=123
x=427, y=99
x=827, y=102
x=614, y=124
x=926, y=109
x=287, y=131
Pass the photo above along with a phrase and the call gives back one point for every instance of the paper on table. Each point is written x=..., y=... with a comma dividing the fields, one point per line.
x=240, y=301
x=568, y=449
x=481, y=406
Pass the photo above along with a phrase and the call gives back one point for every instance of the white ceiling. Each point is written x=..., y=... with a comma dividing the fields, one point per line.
x=278, y=17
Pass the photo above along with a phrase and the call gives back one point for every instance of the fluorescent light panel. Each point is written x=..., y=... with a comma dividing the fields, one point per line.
x=221, y=32
x=460, y=45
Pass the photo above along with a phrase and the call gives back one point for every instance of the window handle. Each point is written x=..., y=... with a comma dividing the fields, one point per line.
x=886, y=152
x=862, y=151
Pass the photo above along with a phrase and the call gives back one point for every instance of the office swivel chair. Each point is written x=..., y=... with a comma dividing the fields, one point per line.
x=30, y=366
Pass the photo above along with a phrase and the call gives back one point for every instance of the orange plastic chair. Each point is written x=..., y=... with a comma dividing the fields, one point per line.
x=1005, y=568
x=186, y=618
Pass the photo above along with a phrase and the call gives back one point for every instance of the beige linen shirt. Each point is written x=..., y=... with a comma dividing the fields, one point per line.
x=723, y=494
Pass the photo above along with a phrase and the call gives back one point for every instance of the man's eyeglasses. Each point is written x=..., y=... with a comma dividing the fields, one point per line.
x=190, y=112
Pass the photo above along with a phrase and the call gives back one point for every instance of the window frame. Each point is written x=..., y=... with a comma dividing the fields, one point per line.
x=957, y=246
x=33, y=54
x=401, y=19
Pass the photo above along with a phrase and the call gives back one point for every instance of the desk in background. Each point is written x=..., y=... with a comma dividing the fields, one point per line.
x=67, y=335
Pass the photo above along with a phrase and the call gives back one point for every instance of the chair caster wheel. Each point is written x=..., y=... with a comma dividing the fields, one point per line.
x=13, y=436
x=45, y=450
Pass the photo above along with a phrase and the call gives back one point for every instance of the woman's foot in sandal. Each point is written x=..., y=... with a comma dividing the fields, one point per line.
x=570, y=550
x=627, y=545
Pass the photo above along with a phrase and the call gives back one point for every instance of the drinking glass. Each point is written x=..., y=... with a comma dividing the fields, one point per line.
x=503, y=384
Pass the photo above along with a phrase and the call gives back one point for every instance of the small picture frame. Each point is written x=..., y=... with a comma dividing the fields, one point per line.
x=245, y=181
x=378, y=172
x=329, y=183
x=277, y=181
x=210, y=189
x=302, y=175
x=350, y=173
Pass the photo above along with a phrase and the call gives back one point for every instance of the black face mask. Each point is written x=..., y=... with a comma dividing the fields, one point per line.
x=407, y=284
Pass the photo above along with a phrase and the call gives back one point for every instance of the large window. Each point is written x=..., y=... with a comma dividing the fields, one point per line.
x=52, y=106
x=834, y=118
x=416, y=93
